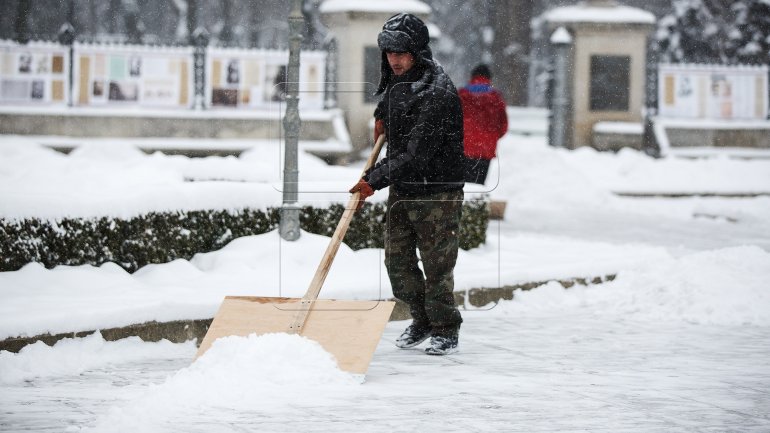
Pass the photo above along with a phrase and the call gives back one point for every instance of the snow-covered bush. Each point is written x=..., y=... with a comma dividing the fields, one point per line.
x=163, y=237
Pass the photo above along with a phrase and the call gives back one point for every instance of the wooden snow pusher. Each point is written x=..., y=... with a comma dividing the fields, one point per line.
x=349, y=330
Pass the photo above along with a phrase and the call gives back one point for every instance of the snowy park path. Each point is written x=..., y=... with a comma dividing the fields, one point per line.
x=676, y=343
x=527, y=373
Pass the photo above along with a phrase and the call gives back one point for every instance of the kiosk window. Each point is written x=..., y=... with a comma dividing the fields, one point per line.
x=610, y=79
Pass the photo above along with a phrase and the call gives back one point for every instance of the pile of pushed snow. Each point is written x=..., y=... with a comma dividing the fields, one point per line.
x=722, y=287
x=74, y=356
x=246, y=364
x=255, y=373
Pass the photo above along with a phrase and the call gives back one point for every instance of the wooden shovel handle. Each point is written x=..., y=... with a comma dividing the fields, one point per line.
x=331, y=251
x=375, y=153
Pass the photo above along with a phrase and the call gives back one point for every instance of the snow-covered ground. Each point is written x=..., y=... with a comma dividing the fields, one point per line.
x=677, y=342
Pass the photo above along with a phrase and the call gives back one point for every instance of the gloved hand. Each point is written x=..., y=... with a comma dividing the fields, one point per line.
x=364, y=189
x=379, y=128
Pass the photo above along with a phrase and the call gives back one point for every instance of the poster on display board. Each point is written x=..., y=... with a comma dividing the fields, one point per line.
x=257, y=78
x=34, y=73
x=133, y=75
x=713, y=91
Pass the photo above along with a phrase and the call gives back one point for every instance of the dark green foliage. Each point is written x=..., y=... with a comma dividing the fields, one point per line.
x=365, y=231
x=473, y=224
x=163, y=237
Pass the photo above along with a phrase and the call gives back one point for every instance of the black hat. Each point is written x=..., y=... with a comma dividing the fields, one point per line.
x=481, y=70
x=402, y=33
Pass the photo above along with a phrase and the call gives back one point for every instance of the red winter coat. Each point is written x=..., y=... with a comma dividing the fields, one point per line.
x=484, y=118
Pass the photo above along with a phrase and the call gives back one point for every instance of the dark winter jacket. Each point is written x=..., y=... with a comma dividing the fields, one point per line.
x=424, y=127
x=485, y=120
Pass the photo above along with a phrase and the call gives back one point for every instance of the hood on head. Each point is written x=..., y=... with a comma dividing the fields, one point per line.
x=402, y=33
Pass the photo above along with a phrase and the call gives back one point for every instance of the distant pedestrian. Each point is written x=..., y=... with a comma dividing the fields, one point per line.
x=484, y=123
x=421, y=116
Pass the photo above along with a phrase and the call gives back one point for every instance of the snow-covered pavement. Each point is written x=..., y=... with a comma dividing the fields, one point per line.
x=676, y=342
x=557, y=370
x=675, y=345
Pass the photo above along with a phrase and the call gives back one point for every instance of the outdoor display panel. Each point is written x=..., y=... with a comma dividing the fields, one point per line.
x=241, y=78
x=120, y=75
x=117, y=75
x=713, y=91
x=35, y=73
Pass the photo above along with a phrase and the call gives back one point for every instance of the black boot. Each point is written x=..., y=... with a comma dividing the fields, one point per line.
x=413, y=335
x=443, y=344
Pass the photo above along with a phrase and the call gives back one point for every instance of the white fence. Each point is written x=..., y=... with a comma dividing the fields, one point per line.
x=36, y=73
x=118, y=75
x=713, y=91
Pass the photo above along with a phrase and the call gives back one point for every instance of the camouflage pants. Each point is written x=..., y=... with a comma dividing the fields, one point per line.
x=430, y=224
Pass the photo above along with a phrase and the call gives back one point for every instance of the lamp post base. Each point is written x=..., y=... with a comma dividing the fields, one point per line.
x=289, y=226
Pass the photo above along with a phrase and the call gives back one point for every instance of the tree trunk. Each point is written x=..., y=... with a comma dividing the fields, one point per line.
x=510, y=48
x=21, y=24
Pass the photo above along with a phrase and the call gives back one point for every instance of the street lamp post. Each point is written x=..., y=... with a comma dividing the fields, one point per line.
x=289, y=226
x=200, y=39
x=560, y=128
x=67, y=38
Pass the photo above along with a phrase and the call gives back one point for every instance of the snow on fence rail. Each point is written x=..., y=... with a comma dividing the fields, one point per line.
x=713, y=91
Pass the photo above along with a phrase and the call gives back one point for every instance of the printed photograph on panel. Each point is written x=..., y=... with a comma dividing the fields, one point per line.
x=38, y=90
x=721, y=95
x=42, y=65
x=135, y=66
x=233, y=72
x=123, y=91
x=98, y=89
x=224, y=97
x=25, y=63
x=275, y=85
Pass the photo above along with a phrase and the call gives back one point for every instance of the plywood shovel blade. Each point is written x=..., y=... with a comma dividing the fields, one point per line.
x=349, y=330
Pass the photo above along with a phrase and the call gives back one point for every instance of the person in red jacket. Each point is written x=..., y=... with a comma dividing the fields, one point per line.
x=484, y=122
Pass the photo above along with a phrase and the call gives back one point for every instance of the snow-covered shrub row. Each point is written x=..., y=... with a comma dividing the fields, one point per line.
x=161, y=237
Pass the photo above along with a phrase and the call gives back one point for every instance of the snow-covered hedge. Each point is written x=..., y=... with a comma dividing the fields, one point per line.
x=163, y=237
